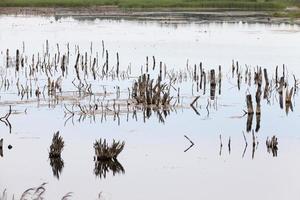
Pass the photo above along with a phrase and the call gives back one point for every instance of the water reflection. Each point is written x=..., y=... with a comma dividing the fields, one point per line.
x=57, y=165
x=258, y=117
x=56, y=148
x=249, y=122
x=5, y=119
x=1, y=147
x=106, y=157
x=104, y=166
x=272, y=145
x=114, y=111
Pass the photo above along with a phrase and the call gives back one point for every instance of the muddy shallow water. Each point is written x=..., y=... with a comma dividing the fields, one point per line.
x=155, y=163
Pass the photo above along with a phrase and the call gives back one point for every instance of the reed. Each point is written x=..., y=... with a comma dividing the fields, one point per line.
x=146, y=91
x=57, y=146
x=104, y=151
x=36, y=193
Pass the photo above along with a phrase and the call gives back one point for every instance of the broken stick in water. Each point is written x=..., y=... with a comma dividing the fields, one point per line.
x=192, y=143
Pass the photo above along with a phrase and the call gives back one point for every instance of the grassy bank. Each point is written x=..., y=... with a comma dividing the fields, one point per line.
x=233, y=4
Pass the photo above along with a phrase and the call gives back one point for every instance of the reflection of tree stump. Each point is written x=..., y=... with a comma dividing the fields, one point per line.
x=249, y=122
x=258, y=116
x=249, y=104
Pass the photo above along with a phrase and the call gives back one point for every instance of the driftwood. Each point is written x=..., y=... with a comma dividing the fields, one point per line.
x=193, y=103
x=192, y=143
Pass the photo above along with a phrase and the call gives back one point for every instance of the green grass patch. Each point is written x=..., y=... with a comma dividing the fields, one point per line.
x=234, y=4
x=292, y=15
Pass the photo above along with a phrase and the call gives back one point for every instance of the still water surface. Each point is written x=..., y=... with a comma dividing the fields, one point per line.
x=155, y=164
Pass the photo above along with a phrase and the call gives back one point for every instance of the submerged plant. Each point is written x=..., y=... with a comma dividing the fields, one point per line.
x=57, y=146
x=104, y=151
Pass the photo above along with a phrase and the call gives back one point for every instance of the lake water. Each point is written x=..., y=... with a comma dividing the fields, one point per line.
x=155, y=161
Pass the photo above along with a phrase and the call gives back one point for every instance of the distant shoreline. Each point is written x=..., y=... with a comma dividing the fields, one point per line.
x=168, y=15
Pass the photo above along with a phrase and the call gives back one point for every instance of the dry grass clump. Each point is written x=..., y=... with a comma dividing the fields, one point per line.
x=104, y=151
x=57, y=146
x=147, y=91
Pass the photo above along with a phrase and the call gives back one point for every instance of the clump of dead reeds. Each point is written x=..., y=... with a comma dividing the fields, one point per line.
x=147, y=91
x=104, y=151
x=57, y=146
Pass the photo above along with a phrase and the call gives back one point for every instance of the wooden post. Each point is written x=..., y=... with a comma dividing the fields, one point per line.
x=266, y=76
x=7, y=58
x=106, y=62
x=147, y=64
x=17, y=60
x=201, y=75
x=276, y=75
x=220, y=79
x=212, y=84
x=118, y=65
